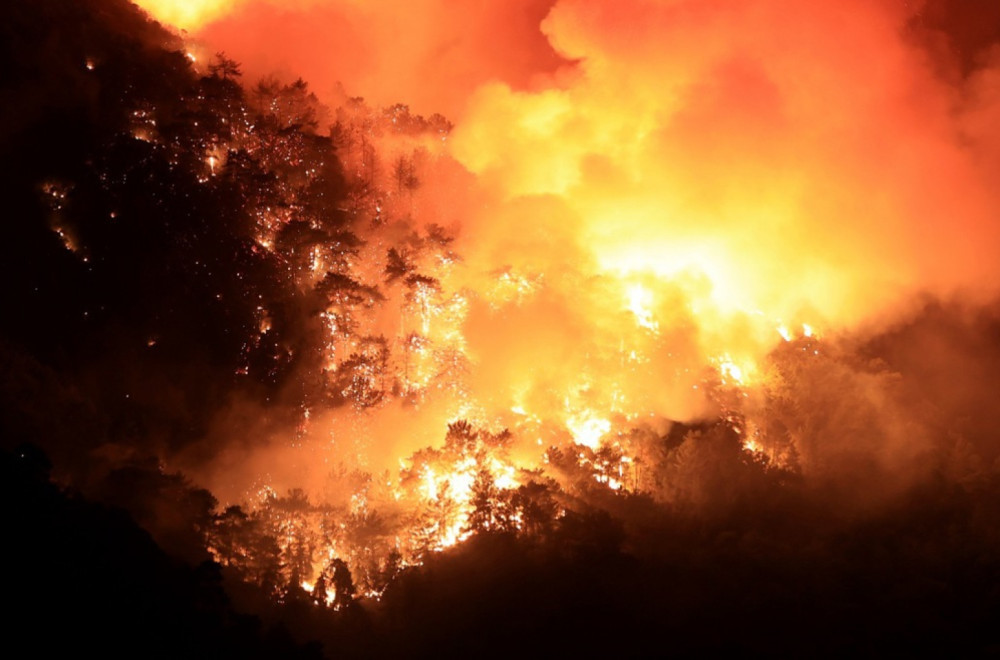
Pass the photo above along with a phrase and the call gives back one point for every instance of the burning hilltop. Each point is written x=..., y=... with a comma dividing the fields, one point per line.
x=629, y=239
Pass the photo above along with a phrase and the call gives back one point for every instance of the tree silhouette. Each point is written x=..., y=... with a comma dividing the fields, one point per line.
x=319, y=592
x=404, y=174
x=343, y=584
x=537, y=507
x=224, y=67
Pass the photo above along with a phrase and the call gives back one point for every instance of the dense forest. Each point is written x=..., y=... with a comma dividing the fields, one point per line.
x=179, y=238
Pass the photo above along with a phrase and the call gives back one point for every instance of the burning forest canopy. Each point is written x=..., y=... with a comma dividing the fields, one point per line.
x=599, y=325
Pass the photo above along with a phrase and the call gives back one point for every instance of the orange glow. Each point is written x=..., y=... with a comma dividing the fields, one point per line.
x=631, y=215
x=187, y=14
x=587, y=429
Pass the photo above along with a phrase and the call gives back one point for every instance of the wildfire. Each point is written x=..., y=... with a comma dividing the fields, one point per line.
x=588, y=429
x=186, y=14
x=574, y=262
x=732, y=372
x=639, y=299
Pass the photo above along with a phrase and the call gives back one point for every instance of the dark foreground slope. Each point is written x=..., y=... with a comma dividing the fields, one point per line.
x=83, y=578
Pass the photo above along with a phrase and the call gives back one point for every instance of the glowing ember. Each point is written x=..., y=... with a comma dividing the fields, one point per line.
x=588, y=429
x=639, y=299
x=732, y=372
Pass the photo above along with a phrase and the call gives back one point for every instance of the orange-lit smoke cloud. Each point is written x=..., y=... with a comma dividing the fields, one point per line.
x=789, y=154
x=796, y=154
x=430, y=54
x=706, y=173
x=734, y=167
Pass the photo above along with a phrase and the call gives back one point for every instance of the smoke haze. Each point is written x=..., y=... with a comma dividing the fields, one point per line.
x=667, y=186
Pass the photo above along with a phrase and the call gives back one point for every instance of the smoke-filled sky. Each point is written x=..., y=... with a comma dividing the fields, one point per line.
x=429, y=54
x=690, y=179
x=826, y=154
